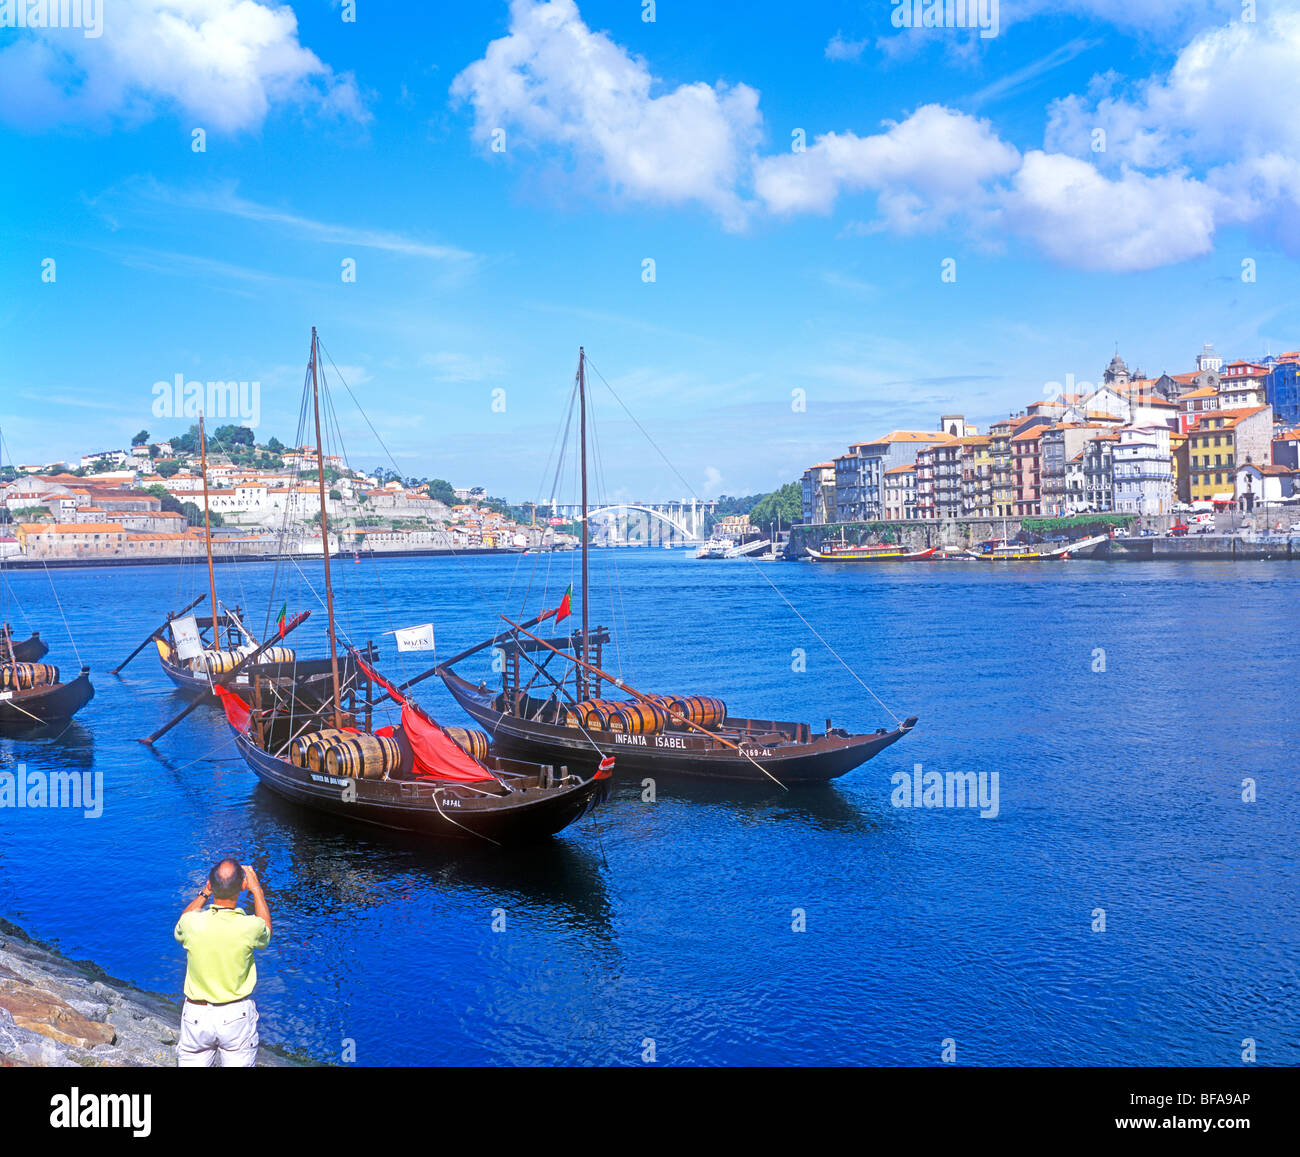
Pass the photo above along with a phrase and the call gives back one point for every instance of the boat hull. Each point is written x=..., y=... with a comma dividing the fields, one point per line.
x=199, y=687
x=674, y=753
x=35, y=711
x=410, y=806
x=31, y=650
x=874, y=556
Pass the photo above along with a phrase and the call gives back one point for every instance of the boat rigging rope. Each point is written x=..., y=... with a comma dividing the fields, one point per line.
x=788, y=603
x=824, y=643
x=462, y=827
x=64, y=617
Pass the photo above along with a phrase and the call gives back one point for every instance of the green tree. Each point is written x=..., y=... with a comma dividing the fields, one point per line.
x=440, y=491
x=230, y=436
x=782, y=507
x=141, y=438
x=166, y=468
x=275, y=445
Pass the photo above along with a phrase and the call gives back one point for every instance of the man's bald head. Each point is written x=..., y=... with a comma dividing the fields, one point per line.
x=227, y=880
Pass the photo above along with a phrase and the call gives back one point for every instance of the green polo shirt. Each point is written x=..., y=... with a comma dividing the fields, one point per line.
x=219, y=943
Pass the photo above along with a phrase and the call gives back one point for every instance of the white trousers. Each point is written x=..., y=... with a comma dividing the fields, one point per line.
x=211, y=1029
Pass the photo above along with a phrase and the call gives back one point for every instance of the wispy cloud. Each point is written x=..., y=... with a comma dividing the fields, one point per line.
x=228, y=203
x=1024, y=77
x=837, y=48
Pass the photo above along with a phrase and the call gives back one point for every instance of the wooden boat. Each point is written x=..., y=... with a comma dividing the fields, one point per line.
x=31, y=650
x=33, y=698
x=32, y=710
x=1004, y=551
x=314, y=742
x=873, y=552
x=568, y=722
x=194, y=676
x=279, y=663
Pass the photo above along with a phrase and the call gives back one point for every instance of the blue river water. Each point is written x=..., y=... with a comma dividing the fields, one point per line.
x=1121, y=707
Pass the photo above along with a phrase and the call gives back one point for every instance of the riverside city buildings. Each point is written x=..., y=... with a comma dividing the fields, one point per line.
x=1131, y=444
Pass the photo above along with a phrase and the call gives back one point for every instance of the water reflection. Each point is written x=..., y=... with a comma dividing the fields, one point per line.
x=63, y=745
x=334, y=862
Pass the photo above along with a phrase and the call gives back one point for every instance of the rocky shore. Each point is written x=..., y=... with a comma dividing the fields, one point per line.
x=60, y=1012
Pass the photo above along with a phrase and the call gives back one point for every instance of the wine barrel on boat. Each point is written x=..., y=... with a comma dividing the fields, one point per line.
x=702, y=710
x=363, y=757
x=219, y=662
x=472, y=742
x=638, y=718
x=309, y=750
x=25, y=676
x=277, y=655
x=593, y=714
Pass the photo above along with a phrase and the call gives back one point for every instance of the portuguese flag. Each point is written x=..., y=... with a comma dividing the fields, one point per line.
x=566, y=605
x=280, y=618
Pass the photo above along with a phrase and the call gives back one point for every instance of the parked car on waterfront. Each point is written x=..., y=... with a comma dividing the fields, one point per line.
x=1177, y=531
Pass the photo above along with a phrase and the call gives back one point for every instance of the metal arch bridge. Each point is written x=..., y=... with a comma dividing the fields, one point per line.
x=684, y=520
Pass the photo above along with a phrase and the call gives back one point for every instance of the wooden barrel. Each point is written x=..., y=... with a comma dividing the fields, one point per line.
x=703, y=710
x=309, y=750
x=219, y=662
x=363, y=757
x=638, y=718
x=25, y=676
x=276, y=655
x=593, y=714
x=476, y=743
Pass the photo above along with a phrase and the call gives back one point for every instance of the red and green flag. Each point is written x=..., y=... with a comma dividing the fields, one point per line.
x=566, y=605
x=280, y=618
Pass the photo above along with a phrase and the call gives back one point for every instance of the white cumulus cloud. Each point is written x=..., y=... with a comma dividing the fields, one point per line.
x=223, y=63
x=923, y=169
x=553, y=81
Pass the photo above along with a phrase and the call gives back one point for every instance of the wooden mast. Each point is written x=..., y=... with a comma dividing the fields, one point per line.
x=582, y=402
x=207, y=536
x=325, y=533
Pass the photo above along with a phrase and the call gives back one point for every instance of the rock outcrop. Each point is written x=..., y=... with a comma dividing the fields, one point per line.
x=56, y=1011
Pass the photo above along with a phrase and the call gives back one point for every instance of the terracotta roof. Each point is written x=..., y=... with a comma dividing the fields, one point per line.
x=900, y=469
x=72, y=528
x=1201, y=392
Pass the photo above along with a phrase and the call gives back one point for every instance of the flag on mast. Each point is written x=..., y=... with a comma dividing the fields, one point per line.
x=284, y=610
x=566, y=605
x=415, y=638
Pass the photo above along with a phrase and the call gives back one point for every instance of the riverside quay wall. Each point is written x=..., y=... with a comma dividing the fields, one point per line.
x=1228, y=535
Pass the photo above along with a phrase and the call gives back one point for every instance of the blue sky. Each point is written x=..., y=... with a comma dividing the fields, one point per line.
x=478, y=270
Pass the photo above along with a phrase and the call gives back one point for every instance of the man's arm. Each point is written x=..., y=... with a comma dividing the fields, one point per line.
x=199, y=900
x=254, y=886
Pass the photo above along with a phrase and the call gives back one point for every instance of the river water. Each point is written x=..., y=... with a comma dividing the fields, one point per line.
x=1121, y=707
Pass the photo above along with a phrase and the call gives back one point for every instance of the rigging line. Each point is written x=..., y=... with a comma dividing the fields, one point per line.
x=559, y=442
x=689, y=488
x=64, y=617
x=611, y=555
x=448, y=818
x=454, y=553
x=752, y=563
x=821, y=640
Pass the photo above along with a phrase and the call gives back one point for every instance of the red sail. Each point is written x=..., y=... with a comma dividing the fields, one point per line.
x=437, y=755
x=237, y=712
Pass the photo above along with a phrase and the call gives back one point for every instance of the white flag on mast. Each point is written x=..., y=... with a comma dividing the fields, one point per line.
x=415, y=638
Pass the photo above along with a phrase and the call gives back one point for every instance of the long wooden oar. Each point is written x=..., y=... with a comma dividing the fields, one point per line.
x=154, y=634
x=646, y=698
x=224, y=679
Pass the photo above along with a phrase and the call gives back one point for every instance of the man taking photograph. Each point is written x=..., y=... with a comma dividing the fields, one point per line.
x=219, y=1016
